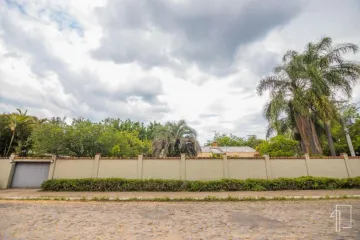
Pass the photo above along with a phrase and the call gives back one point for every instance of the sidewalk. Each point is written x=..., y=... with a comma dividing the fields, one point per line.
x=36, y=193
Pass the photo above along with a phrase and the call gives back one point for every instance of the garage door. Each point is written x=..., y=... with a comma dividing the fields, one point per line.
x=30, y=175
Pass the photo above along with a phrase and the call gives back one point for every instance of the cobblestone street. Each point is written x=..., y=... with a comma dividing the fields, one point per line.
x=150, y=220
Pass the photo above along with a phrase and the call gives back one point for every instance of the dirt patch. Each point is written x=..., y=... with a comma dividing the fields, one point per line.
x=157, y=214
x=253, y=220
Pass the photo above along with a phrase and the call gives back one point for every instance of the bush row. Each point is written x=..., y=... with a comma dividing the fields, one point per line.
x=160, y=185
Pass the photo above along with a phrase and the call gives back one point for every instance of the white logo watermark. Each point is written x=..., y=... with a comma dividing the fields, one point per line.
x=343, y=217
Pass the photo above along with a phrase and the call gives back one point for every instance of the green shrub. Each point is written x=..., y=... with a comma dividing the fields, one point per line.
x=159, y=185
x=279, y=146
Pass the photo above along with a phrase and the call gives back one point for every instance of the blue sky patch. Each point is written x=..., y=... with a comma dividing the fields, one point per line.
x=66, y=21
x=16, y=5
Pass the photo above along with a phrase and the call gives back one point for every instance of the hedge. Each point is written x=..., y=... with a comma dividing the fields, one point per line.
x=160, y=185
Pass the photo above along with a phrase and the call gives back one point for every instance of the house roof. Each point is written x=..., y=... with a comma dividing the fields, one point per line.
x=227, y=149
x=215, y=150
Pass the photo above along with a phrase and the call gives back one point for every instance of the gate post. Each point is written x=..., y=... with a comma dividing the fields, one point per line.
x=11, y=171
x=52, y=167
x=225, y=167
x=268, y=166
x=140, y=167
x=96, y=165
x=346, y=161
x=183, y=167
x=307, y=159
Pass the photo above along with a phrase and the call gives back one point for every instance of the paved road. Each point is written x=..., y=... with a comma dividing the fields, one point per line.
x=150, y=220
x=15, y=192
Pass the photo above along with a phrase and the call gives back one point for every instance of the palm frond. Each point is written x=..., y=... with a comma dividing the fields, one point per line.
x=271, y=83
x=289, y=55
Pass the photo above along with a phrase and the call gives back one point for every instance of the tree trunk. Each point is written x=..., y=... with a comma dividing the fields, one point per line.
x=5, y=149
x=300, y=124
x=308, y=135
x=11, y=141
x=315, y=139
x=302, y=144
x=329, y=138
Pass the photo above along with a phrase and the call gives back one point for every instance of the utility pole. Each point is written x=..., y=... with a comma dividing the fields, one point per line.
x=346, y=130
x=348, y=139
x=345, y=113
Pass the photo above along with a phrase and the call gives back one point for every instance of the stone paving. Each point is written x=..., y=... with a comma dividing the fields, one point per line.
x=34, y=193
x=176, y=220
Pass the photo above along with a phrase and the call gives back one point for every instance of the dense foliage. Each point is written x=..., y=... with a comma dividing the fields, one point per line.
x=175, y=138
x=279, y=146
x=340, y=140
x=82, y=137
x=233, y=141
x=113, y=137
x=15, y=129
x=27, y=135
x=158, y=185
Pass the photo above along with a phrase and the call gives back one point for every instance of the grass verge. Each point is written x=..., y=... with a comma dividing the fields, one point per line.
x=182, y=199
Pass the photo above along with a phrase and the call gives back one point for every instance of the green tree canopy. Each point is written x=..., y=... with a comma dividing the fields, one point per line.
x=123, y=144
x=232, y=140
x=86, y=138
x=175, y=138
x=15, y=129
x=279, y=146
x=49, y=138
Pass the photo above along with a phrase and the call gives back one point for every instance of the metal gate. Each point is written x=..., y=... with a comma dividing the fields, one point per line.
x=30, y=174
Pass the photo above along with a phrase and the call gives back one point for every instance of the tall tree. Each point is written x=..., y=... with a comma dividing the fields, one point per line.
x=253, y=142
x=311, y=81
x=226, y=140
x=331, y=76
x=48, y=137
x=82, y=137
x=233, y=140
x=15, y=121
x=279, y=146
x=289, y=106
x=175, y=138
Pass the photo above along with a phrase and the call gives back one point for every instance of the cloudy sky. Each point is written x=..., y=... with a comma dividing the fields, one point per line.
x=158, y=59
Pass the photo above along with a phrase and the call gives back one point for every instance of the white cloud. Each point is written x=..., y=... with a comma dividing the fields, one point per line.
x=53, y=60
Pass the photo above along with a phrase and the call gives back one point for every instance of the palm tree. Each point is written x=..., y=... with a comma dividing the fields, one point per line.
x=331, y=77
x=315, y=79
x=150, y=130
x=289, y=108
x=175, y=138
x=15, y=120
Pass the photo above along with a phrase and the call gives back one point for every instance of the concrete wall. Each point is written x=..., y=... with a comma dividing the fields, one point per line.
x=118, y=168
x=354, y=167
x=327, y=168
x=192, y=169
x=204, y=169
x=246, y=168
x=5, y=172
x=157, y=168
x=74, y=168
x=288, y=168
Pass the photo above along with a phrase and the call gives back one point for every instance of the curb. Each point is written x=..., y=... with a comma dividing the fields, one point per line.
x=183, y=199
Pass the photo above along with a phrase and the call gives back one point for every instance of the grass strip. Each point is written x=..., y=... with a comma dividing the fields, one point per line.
x=182, y=199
